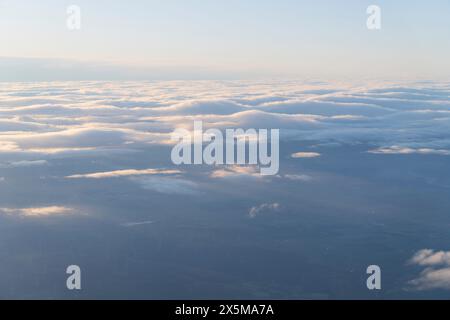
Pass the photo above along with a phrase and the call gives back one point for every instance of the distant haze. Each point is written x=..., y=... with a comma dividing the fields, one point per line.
x=223, y=40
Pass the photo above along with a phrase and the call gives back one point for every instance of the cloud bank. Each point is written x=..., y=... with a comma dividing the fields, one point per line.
x=80, y=117
x=44, y=122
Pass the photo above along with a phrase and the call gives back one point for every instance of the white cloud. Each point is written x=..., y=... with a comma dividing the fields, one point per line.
x=36, y=212
x=236, y=171
x=265, y=207
x=407, y=150
x=122, y=173
x=8, y=146
x=436, y=274
x=427, y=257
x=61, y=118
x=305, y=155
x=168, y=185
x=203, y=108
x=54, y=151
x=431, y=279
x=298, y=177
x=136, y=224
x=25, y=163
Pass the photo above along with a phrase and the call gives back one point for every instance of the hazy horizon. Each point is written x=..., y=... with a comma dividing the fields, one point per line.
x=223, y=40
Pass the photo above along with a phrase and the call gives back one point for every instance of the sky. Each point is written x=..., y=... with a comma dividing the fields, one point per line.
x=223, y=39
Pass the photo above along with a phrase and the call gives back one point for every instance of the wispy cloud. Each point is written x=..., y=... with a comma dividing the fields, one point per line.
x=24, y=163
x=122, y=173
x=37, y=212
x=168, y=185
x=298, y=177
x=235, y=171
x=136, y=224
x=263, y=208
x=299, y=155
x=406, y=150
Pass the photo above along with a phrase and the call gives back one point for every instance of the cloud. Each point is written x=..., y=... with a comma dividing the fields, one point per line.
x=326, y=108
x=8, y=146
x=54, y=151
x=236, y=171
x=71, y=138
x=168, y=185
x=406, y=150
x=24, y=163
x=298, y=177
x=89, y=137
x=263, y=208
x=136, y=224
x=200, y=107
x=436, y=274
x=431, y=258
x=431, y=279
x=305, y=155
x=36, y=212
x=8, y=125
x=122, y=173
x=62, y=119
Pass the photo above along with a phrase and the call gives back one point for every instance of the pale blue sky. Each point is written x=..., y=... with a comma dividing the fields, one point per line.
x=243, y=38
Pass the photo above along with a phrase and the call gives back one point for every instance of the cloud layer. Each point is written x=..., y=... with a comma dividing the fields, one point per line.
x=62, y=117
x=61, y=121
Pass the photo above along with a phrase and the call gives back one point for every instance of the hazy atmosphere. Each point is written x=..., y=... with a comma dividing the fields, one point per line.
x=91, y=93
